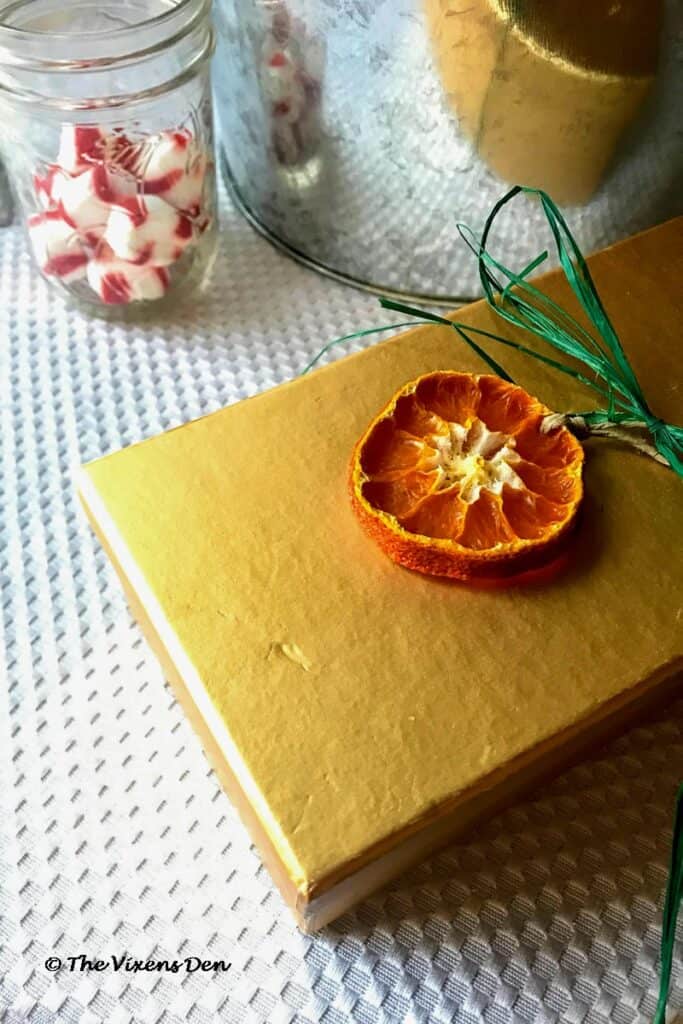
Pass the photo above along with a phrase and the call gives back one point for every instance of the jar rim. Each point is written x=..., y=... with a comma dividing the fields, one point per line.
x=46, y=50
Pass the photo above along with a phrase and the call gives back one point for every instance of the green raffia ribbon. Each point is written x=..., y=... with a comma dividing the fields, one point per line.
x=672, y=902
x=605, y=368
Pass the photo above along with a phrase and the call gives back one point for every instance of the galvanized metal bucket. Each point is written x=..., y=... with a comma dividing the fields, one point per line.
x=356, y=134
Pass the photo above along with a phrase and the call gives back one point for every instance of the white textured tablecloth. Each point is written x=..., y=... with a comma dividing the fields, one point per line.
x=114, y=834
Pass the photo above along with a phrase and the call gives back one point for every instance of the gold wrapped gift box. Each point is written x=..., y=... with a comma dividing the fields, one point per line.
x=360, y=715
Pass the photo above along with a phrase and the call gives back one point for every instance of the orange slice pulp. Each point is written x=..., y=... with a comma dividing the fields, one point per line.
x=455, y=477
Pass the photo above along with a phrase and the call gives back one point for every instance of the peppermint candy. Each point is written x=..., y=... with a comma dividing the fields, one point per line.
x=119, y=213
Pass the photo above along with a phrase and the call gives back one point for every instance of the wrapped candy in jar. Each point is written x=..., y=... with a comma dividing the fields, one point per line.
x=106, y=131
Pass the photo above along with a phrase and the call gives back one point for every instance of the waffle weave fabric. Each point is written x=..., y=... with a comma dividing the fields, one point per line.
x=115, y=838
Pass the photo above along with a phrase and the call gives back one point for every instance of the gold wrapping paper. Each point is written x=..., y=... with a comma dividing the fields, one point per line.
x=357, y=713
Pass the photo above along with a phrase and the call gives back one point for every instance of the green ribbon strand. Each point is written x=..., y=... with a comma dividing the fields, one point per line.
x=350, y=337
x=672, y=903
x=603, y=364
x=601, y=353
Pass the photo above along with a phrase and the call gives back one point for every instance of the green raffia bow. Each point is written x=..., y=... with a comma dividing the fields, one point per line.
x=672, y=902
x=626, y=416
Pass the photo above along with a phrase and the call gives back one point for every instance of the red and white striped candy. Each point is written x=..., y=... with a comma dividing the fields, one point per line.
x=120, y=152
x=278, y=73
x=148, y=230
x=186, y=193
x=287, y=111
x=117, y=282
x=56, y=246
x=173, y=167
x=43, y=184
x=79, y=146
x=119, y=212
x=86, y=199
x=292, y=106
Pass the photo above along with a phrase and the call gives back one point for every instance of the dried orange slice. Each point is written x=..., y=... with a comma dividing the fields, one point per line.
x=455, y=477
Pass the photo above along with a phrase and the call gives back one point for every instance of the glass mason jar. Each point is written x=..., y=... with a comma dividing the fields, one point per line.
x=106, y=132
